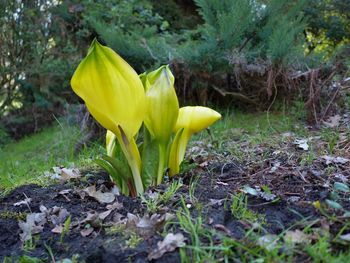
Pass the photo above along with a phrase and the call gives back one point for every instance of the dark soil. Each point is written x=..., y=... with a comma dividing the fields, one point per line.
x=98, y=247
x=217, y=182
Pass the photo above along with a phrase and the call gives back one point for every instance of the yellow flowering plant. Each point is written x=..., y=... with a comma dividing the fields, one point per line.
x=147, y=132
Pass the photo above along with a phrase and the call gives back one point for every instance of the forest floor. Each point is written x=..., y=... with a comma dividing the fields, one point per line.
x=258, y=188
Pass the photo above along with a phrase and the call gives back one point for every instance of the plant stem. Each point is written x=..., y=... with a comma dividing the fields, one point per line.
x=131, y=187
x=161, y=163
x=136, y=175
x=132, y=154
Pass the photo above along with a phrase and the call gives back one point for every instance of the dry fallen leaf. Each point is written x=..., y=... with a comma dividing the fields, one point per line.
x=34, y=224
x=169, y=244
x=115, y=206
x=93, y=219
x=103, y=215
x=345, y=237
x=222, y=183
x=334, y=160
x=57, y=229
x=302, y=144
x=222, y=228
x=146, y=226
x=86, y=232
x=118, y=218
x=58, y=215
x=214, y=202
x=332, y=121
x=268, y=241
x=65, y=191
x=296, y=237
x=63, y=174
x=99, y=196
x=67, y=174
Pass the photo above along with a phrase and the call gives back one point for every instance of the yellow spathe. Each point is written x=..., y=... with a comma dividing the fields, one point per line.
x=111, y=89
x=191, y=119
x=196, y=118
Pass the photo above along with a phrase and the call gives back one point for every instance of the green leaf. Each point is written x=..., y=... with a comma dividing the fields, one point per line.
x=116, y=174
x=346, y=214
x=27, y=259
x=341, y=187
x=122, y=170
x=334, y=204
x=150, y=159
x=266, y=189
x=110, y=170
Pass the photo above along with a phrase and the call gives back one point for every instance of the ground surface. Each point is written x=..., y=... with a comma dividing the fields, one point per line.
x=268, y=195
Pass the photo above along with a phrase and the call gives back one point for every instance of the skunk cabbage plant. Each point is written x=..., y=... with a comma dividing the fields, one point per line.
x=137, y=156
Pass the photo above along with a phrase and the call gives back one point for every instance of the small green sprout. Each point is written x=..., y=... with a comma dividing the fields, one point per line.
x=30, y=243
x=65, y=229
x=153, y=204
x=133, y=240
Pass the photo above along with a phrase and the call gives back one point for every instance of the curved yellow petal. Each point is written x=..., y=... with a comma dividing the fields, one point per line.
x=174, y=161
x=153, y=76
x=163, y=105
x=111, y=89
x=191, y=120
x=196, y=118
x=102, y=118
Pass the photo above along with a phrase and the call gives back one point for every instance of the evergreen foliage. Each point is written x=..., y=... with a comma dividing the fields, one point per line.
x=248, y=29
x=41, y=41
x=133, y=29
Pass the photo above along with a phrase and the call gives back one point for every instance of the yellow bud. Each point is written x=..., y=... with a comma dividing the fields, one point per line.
x=317, y=204
x=162, y=103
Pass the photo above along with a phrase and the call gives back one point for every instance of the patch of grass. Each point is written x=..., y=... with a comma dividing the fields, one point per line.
x=155, y=202
x=115, y=229
x=208, y=245
x=23, y=259
x=170, y=191
x=331, y=137
x=239, y=208
x=25, y=161
x=261, y=125
x=191, y=191
x=30, y=243
x=238, y=132
x=133, y=240
x=307, y=158
x=321, y=252
x=13, y=215
x=199, y=235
